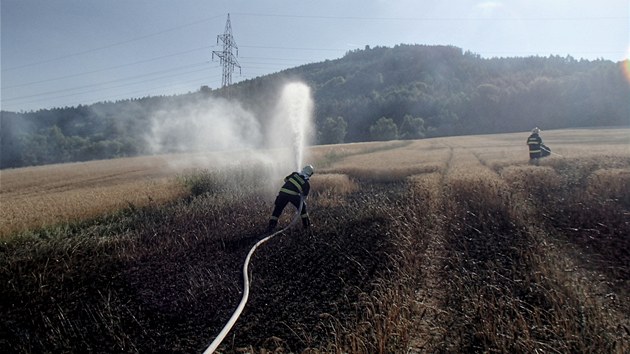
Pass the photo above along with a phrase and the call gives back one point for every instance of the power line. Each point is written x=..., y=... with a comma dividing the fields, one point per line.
x=110, y=45
x=279, y=63
x=113, y=81
x=357, y=18
x=108, y=68
x=139, y=62
x=227, y=58
x=272, y=58
x=43, y=96
x=297, y=48
x=124, y=94
x=145, y=90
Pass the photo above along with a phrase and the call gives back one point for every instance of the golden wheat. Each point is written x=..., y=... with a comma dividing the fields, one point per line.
x=480, y=253
x=330, y=189
x=394, y=163
x=36, y=196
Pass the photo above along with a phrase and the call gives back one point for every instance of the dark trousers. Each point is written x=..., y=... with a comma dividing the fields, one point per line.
x=281, y=202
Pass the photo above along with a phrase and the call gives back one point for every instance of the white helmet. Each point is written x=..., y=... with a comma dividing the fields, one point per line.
x=536, y=130
x=307, y=171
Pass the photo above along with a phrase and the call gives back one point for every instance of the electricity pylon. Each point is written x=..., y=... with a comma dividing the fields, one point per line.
x=227, y=58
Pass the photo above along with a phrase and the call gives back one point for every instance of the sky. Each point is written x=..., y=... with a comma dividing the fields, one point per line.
x=59, y=53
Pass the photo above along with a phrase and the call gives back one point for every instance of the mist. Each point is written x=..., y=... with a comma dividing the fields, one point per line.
x=220, y=134
x=291, y=128
x=210, y=125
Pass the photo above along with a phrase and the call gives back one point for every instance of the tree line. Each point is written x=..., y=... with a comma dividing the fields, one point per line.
x=380, y=93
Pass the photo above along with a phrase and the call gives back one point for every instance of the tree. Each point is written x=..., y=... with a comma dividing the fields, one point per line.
x=454, y=92
x=333, y=131
x=412, y=128
x=384, y=129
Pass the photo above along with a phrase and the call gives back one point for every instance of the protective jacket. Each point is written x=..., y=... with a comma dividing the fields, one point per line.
x=294, y=191
x=534, y=142
x=296, y=184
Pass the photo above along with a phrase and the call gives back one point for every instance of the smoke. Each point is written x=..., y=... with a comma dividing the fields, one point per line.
x=226, y=135
x=211, y=125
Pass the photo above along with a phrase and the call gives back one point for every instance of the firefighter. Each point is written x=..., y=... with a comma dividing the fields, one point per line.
x=295, y=190
x=535, y=143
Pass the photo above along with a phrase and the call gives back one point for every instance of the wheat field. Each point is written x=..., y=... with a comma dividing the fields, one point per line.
x=38, y=196
x=451, y=244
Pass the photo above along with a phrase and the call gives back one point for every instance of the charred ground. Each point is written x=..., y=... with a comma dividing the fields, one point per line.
x=168, y=279
x=470, y=249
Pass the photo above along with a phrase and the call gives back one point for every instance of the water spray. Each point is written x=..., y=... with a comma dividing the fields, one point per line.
x=292, y=126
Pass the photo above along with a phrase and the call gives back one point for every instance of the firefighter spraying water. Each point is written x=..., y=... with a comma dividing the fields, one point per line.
x=292, y=127
x=292, y=119
x=295, y=190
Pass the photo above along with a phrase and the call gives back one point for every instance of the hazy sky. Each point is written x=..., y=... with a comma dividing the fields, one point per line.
x=58, y=53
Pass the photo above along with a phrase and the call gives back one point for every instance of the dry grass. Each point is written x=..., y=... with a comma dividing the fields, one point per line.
x=35, y=197
x=441, y=245
x=500, y=280
x=50, y=207
x=326, y=155
x=391, y=163
x=612, y=184
x=330, y=189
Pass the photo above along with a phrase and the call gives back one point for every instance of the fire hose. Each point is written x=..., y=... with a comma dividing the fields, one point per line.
x=228, y=326
x=551, y=152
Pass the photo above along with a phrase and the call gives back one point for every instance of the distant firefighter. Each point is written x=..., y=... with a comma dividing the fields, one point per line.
x=537, y=149
x=295, y=190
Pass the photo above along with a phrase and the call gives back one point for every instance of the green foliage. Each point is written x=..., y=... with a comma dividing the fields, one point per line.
x=333, y=131
x=454, y=92
x=412, y=128
x=384, y=129
x=232, y=181
x=52, y=146
x=204, y=182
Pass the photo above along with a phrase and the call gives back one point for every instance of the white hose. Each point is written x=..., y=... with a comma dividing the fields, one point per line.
x=228, y=326
x=551, y=152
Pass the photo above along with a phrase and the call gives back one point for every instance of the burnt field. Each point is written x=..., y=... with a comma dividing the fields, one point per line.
x=446, y=245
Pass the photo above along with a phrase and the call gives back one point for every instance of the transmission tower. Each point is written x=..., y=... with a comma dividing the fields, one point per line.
x=227, y=58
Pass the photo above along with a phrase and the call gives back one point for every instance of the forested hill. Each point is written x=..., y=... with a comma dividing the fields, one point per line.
x=405, y=92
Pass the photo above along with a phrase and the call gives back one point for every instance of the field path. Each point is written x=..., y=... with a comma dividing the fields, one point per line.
x=583, y=270
x=428, y=192
x=436, y=245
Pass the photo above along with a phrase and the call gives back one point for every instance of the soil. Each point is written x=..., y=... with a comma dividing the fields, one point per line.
x=179, y=288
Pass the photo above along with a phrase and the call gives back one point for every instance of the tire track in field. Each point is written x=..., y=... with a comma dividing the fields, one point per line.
x=506, y=288
x=564, y=284
x=428, y=195
x=573, y=270
x=487, y=268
